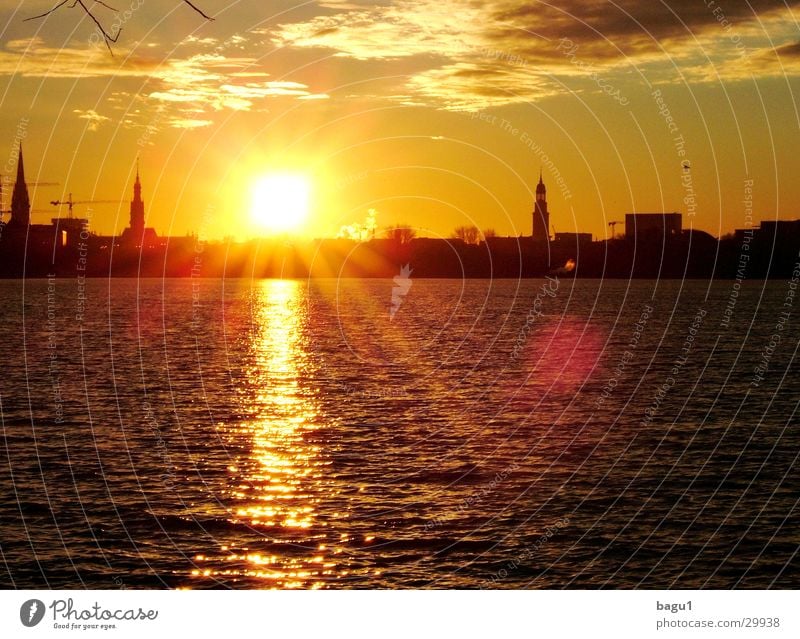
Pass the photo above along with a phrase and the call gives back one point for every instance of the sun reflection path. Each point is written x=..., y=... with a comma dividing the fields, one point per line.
x=276, y=481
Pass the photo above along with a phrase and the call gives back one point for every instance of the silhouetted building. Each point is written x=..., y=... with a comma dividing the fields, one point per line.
x=67, y=247
x=769, y=231
x=137, y=234
x=26, y=250
x=541, y=217
x=69, y=230
x=574, y=239
x=652, y=225
x=20, y=201
x=137, y=207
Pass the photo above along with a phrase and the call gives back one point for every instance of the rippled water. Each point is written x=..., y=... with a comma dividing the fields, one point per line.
x=257, y=434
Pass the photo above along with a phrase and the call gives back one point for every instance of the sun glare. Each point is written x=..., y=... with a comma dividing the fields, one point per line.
x=281, y=201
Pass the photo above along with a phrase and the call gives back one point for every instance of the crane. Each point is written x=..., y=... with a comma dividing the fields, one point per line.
x=70, y=203
x=613, y=226
x=2, y=190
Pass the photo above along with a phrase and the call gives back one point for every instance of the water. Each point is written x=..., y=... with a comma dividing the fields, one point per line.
x=262, y=434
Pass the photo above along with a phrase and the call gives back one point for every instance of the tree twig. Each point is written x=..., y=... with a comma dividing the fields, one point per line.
x=193, y=6
x=107, y=37
x=47, y=13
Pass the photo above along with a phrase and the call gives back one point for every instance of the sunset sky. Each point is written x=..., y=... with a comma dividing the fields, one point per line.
x=435, y=113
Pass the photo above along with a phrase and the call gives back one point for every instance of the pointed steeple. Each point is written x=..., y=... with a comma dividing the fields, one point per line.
x=20, y=166
x=20, y=201
x=137, y=208
x=541, y=190
x=137, y=185
x=541, y=217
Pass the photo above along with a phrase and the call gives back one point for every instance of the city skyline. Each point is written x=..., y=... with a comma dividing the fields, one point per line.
x=406, y=294
x=138, y=232
x=442, y=127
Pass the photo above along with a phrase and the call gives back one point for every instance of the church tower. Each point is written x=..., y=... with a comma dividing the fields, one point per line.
x=541, y=218
x=137, y=209
x=20, y=202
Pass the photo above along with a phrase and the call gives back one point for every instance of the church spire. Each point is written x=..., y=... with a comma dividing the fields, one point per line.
x=20, y=201
x=137, y=208
x=137, y=185
x=541, y=216
x=20, y=166
x=541, y=189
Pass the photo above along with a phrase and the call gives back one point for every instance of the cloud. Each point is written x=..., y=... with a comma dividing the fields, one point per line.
x=264, y=89
x=202, y=81
x=451, y=54
x=94, y=118
x=188, y=123
x=471, y=87
x=778, y=61
x=767, y=62
x=218, y=92
x=476, y=54
x=624, y=23
x=397, y=30
x=339, y=4
x=33, y=58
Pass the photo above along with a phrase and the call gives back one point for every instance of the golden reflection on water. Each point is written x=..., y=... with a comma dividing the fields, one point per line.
x=276, y=484
x=274, y=491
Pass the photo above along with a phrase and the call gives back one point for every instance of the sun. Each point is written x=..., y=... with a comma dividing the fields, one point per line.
x=281, y=201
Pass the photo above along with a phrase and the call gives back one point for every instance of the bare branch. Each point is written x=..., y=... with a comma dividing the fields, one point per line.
x=198, y=10
x=47, y=13
x=107, y=37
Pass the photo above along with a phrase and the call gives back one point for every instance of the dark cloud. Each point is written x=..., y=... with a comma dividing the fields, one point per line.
x=607, y=31
x=789, y=50
x=657, y=20
x=474, y=46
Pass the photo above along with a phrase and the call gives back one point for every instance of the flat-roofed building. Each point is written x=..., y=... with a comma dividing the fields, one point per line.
x=641, y=225
x=575, y=239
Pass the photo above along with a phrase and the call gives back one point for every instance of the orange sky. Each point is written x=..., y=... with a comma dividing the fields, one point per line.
x=435, y=113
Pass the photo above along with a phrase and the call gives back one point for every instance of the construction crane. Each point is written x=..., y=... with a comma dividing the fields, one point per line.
x=70, y=203
x=2, y=191
x=613, y=226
